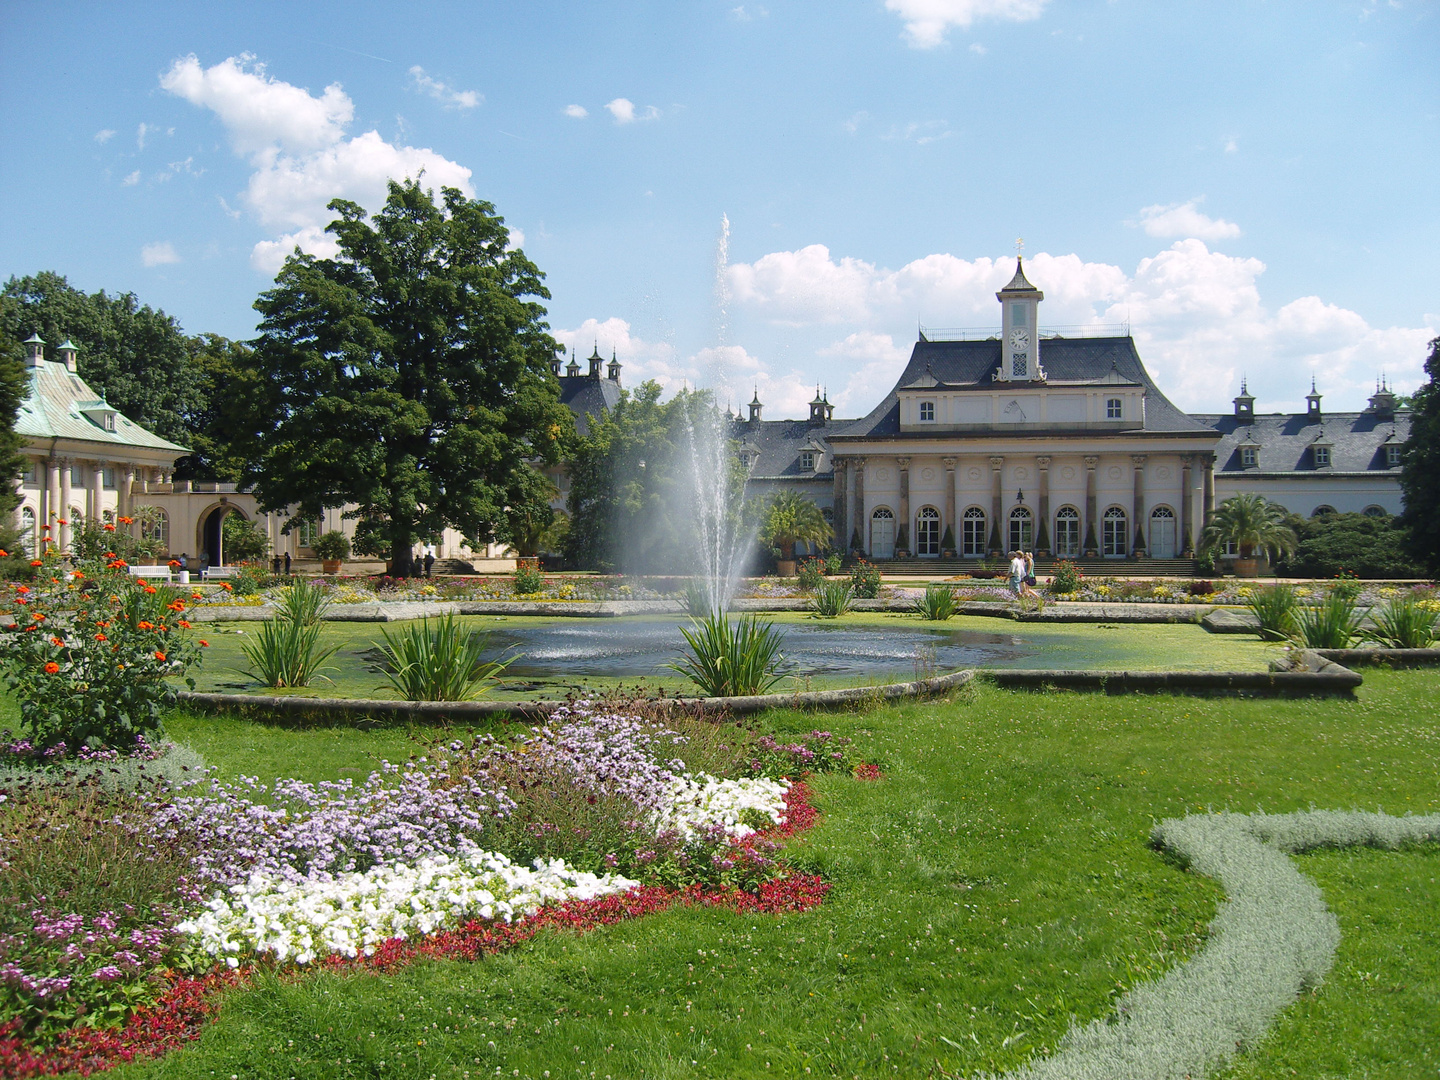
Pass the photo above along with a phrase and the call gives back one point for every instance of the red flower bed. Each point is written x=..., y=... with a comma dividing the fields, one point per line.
x=182, y=1010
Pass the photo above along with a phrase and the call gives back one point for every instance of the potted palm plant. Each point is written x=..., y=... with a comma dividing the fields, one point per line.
x=331, y=548
x=790, y=519
x=1251, y=523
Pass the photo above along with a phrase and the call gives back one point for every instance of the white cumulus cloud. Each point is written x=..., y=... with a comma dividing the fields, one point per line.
x=131, y=179
x=159, y=253
x=442, y=92
x=104, y=136
x=1185, y=219
x=1198, y=317
x=302, y=157
x=928, y=21
x=624, y=111
x=577, y=112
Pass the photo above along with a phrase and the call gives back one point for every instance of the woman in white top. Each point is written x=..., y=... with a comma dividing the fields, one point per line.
x=1016, y=581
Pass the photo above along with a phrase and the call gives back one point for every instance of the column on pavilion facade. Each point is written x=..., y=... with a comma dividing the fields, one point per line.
x=125, y=496
x=997, y=465
x=1187, y=500
x=862, y=520
x=1092, y=525
x=66, y=495
x=950, y=521
x=902, y=536
x=1137, y=462
x=1207, y=462
x=840, y=524
x=97, y=491
x=1042, y=528
x=51, y=509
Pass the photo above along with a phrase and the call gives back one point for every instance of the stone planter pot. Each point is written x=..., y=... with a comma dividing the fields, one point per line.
x=948, y=553
x=1247, y=567
x=330, y=566
x=785, y=567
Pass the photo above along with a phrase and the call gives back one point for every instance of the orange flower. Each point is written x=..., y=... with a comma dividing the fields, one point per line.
x=57, y=641
x=4, y=554
x=101, y=637
x=77, y=574
x=159, y=655
x=37, y=562
x=226, y=586
x=127, y=521
x=46, y=528
x=109, y=527
x=177, y=605
x=196, y=596
x=174, y=563
x=51, y=668
x=143, y=625
x=149, y=588
x=39, y=616
x=184, y=625
x=204, y=644
x=22, y=588
x=63, y=521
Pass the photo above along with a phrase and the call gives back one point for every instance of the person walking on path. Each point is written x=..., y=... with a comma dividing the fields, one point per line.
x=1027, y=582
x=429, y=557
x=1016, y=580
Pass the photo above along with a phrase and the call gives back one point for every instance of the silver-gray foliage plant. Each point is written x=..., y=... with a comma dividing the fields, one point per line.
x=1272, y=939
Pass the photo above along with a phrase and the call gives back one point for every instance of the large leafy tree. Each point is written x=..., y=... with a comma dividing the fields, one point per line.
x=13, y=387
x=1420, y=467
x=408, y=377
x=228, y=388
x=136, y=355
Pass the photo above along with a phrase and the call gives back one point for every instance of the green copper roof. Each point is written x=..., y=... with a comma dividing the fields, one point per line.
x=61, y=405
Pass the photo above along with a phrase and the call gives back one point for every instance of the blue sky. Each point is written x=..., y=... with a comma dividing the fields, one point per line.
x=1251, y=186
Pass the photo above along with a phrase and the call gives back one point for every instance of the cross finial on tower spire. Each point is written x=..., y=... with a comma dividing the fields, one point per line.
x=1019, y=247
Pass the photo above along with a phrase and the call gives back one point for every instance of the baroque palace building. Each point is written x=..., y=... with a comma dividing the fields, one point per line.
x=1062, y=445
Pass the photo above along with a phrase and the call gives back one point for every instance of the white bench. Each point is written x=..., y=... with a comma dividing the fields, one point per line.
x=150, y=571
x=218, y=573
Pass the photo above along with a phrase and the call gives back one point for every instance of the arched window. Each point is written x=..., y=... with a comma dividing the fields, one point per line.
x=1162, y=533
x=1322, y=510
x=1375, y=511
x=1114, y=533
x=882, y=534
x=27, y=531
x=309, y=530
x=1067, y=532
x=927, y=532
x=972, y=533
x=1022, y=529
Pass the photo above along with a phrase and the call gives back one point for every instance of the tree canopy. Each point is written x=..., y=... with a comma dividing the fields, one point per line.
x=1420, y=467
x=1365, y=545
x=790, y=518
x=14, y=385
x=408, y=377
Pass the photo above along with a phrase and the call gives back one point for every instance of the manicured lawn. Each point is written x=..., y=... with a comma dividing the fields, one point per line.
x=994, y=885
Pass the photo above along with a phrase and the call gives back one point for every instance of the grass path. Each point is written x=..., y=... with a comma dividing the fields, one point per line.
x=996, y=884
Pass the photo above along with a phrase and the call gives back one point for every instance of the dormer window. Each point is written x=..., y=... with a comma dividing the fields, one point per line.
x=1392, y=456
x=1114, y=408
x=1322, y=456
x=807, y=459
x=927, y=412
x=1247, y=457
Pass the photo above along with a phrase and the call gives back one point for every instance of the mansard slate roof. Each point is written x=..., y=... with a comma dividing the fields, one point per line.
x=779, y=443
x=1283, y=441
x=585, y=395
x=971, y=365
x=55, y=408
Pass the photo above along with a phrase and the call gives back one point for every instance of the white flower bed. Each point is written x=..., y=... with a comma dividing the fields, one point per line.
x=353, y=913
x=1270, y=940
x=695, y=803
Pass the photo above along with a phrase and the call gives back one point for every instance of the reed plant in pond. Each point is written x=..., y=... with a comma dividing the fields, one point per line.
x=304, y=602
x=732, y=658
x=439, y=660
x=284, y=654
x=1274, y=609
x=1405, y=623
x=936, y=603
x=832, y=599
x=1334, y=623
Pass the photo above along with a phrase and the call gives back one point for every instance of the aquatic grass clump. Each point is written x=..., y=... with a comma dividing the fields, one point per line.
x=439, y=660
x=732, y=659
x=1274, y=609
x=1405, y=623
x=832, y=599
x=1334, y=623
x=287, y=654
x=304, y=602
x=936, y=603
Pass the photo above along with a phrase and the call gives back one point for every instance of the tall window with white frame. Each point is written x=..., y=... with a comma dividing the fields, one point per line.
x=1022, y=529
x=1067, y=532
x=1114, y=534
x=927, y=532
x=972, y=533
x=308, y=531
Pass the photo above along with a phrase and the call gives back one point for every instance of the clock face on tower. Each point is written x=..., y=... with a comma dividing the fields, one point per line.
x=1019, y=338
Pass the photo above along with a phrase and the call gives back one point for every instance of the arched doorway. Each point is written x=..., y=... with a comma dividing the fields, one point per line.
x=1067, y=532
x=1162, y=533
x=882, y=534
x=972, y=533
x=212, y=533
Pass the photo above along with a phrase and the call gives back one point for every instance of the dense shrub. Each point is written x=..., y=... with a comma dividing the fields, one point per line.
x=528, y=580
x=1066, y=578
x=865, y=579
x=1200, y=587
x=89, y=654
x=1370, y=547
x=811, y=574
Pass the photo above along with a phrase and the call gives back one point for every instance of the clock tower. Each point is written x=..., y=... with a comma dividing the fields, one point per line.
x=1020, y=333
